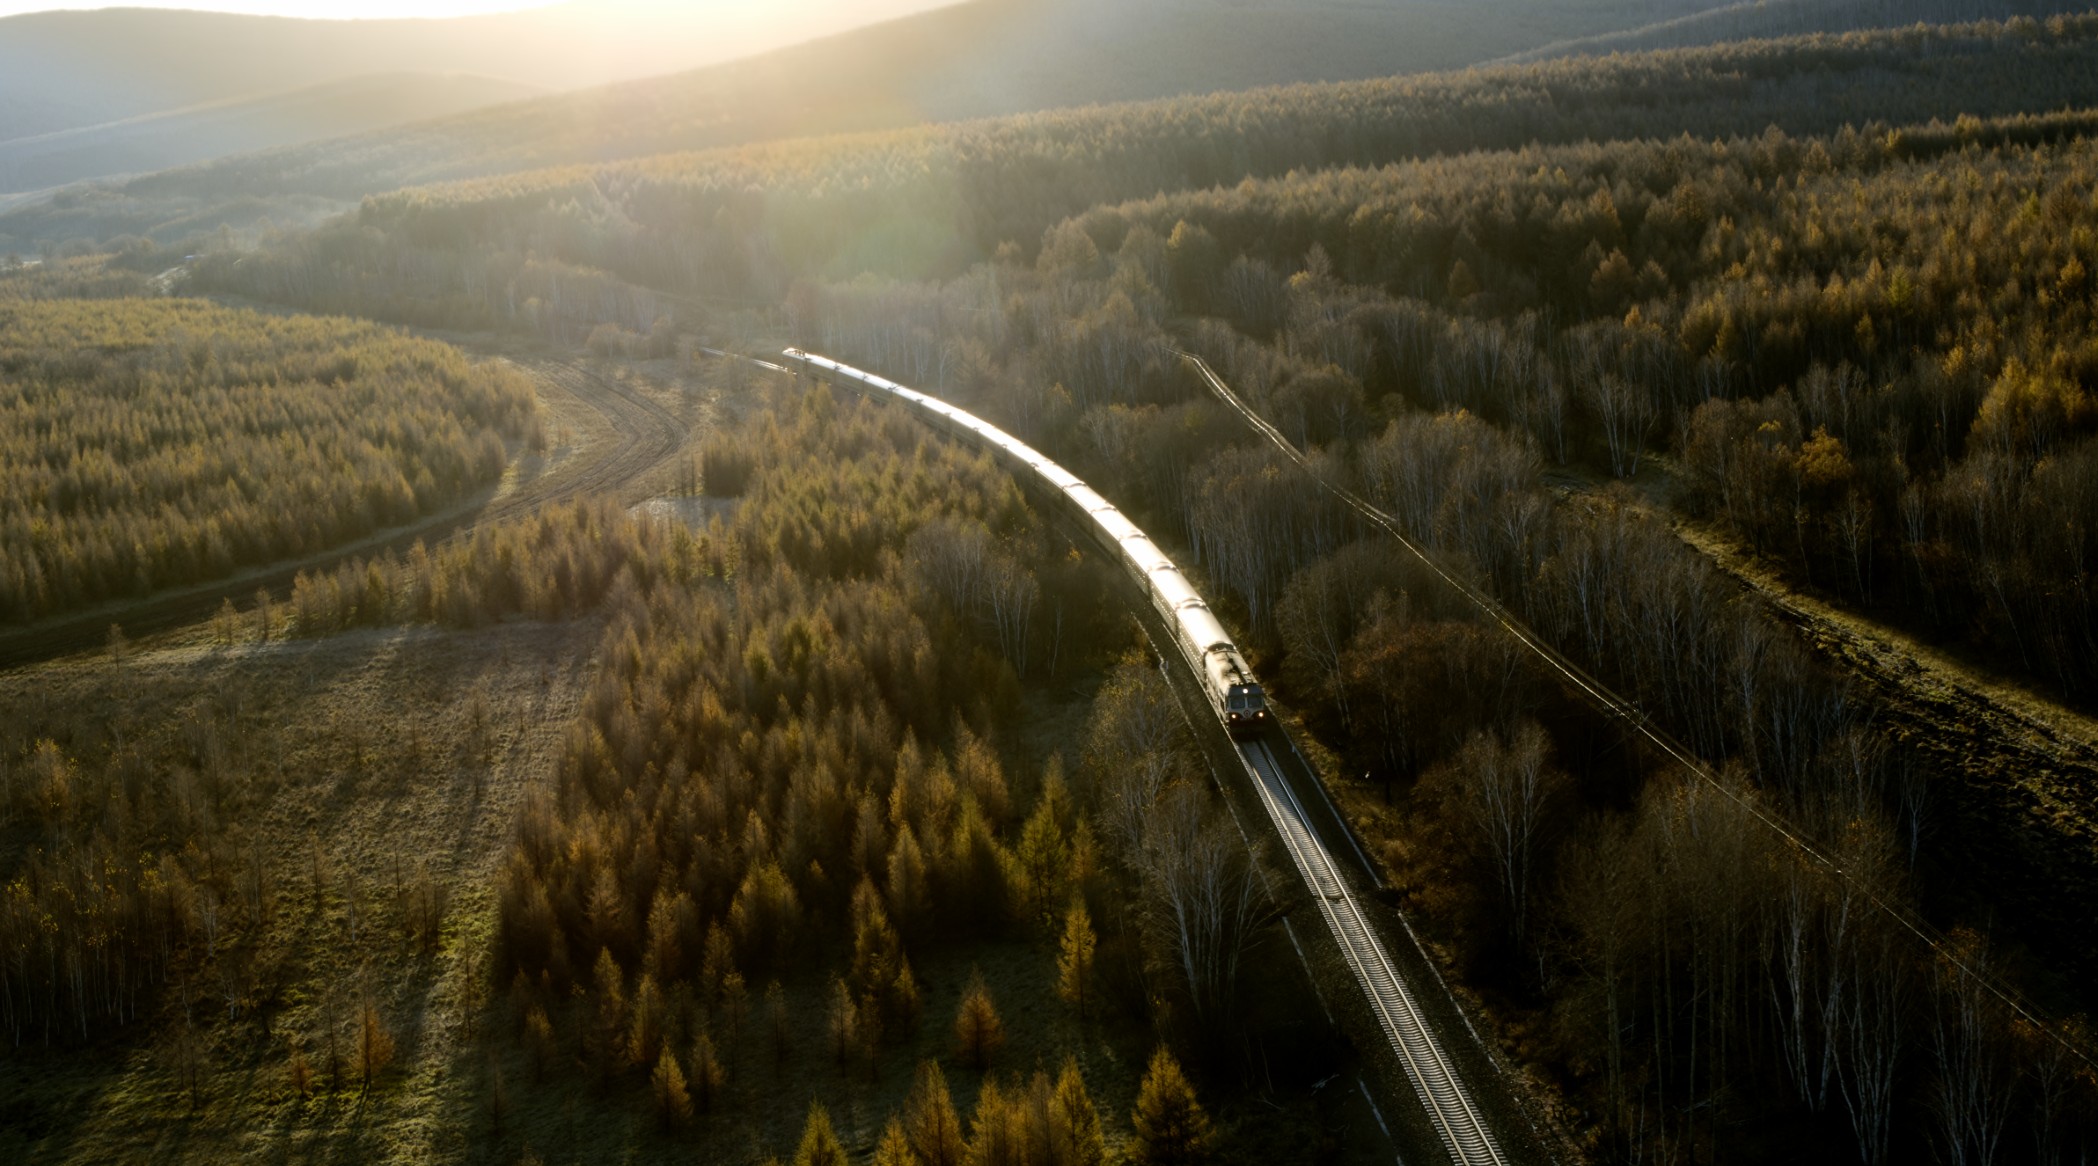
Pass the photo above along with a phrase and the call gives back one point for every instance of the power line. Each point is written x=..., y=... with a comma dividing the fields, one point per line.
x=1623, y=710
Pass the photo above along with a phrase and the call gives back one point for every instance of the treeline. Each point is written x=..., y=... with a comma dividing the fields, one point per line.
x=555, y=565
x=742, y=225
x=130, y=867
x=75, y=279
x=151, y=443
x=1871, y=356
x=1705, y=975
x=1745, y=19
x=1045, y=1121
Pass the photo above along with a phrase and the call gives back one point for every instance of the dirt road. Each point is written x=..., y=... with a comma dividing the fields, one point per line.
x=636, y=436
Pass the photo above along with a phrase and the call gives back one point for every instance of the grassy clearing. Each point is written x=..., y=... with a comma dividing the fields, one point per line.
x=373, y=757
x=368, y=765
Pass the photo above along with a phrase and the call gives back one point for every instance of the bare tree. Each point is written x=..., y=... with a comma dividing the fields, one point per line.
x=1010, y=596
x=1974, y=1077
x=1505, y=789
x=1626, y=412
x=1869, y=1043
x=1204, y=897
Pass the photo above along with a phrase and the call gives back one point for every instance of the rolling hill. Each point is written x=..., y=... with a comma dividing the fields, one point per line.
x=1772, y=18
x=76, y=71
x=982, y=58
x=177, y=138
x=977, y=59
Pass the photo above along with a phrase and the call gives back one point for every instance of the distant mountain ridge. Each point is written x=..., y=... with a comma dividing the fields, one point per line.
x=1757, y=19
x=74, y=70
x=177, y=138
x=976, y=59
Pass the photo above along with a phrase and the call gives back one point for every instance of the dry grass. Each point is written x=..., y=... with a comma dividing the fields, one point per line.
x=363, y=763
x=366, y=759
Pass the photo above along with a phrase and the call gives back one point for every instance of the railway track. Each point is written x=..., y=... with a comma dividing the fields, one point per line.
x=644, y=435
x=1441, y=1090
x=1455, y=1119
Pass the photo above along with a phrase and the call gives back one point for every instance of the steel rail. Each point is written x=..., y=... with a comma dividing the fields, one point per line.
x=1442, y=1093
x=1441, y=1090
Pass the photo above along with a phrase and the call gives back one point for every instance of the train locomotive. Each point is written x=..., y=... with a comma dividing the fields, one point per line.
x=1234, y=694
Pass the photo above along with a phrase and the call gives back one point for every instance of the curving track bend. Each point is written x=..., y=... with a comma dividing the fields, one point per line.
x=1442, y=1092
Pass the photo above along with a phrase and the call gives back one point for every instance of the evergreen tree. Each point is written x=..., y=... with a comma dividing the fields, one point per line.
x=1075, y=1138
x=998, y=1129
x=894, y=1149
x=1074, y=960
x=978, y=1031
x=708, y=1076
x=819, y=1143
x=673, y=1101
x=1171, y=1128
x=929, y=1120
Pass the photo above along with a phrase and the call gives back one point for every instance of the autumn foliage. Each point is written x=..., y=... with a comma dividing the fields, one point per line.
x=149, y=444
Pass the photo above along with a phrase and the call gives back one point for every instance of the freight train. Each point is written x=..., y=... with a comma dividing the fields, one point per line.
x=1233, y=692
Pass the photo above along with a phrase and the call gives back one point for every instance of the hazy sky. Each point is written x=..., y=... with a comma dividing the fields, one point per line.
x=331, y=9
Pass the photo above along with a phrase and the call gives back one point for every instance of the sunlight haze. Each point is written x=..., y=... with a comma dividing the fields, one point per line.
x=339, y=10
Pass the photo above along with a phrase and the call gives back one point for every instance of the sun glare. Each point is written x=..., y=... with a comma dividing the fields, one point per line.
x=308, y=9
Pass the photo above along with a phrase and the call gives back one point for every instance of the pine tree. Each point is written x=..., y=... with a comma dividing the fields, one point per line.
x=374, y=1044
x=673, y=1101
x=1171, y=1128
x=978, y=1031
x=608, y=1034
x=997, y=1131
x=777, y=1021
x=934, y=1129
x=708, y=1077
x=905, y=1001
x=645, y=1027
x=1042, y=859
x=1074, y=961
x=225, y=626
x=819, y=1143
x=844, y=1022
x=539, y=1041
x=894, y=1148
x=1075, y=1138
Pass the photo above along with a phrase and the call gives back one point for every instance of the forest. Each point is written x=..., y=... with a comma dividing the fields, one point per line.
x=1651, y=934
x=1789, y=337
x=154, y=443
x=798, y=767
x=867, y=757
x=737, y=228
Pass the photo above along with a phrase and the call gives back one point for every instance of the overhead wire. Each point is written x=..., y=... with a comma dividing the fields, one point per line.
x=1617, y=707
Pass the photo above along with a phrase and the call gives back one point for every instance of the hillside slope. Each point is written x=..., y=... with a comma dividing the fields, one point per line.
x=64, y=71
x=180, y=137
x=977, y=59
x=743, y=224
x=1775, y=18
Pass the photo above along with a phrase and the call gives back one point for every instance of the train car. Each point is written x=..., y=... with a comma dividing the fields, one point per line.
x=1242, y=703
x=1234, y=694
